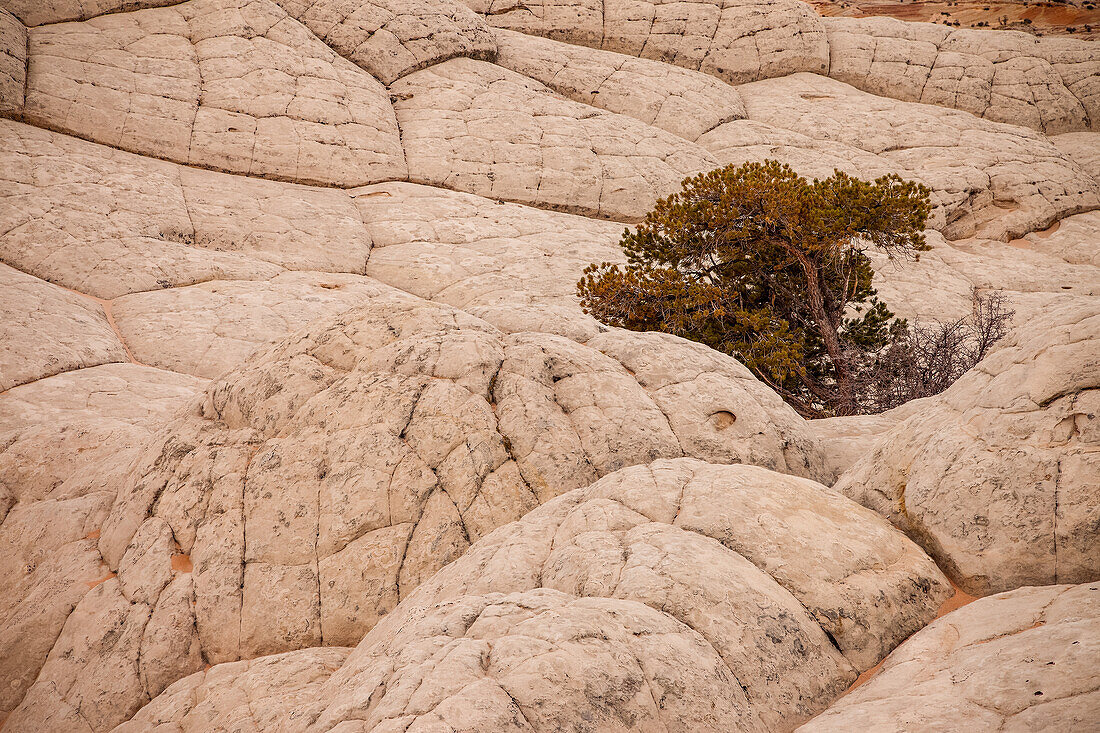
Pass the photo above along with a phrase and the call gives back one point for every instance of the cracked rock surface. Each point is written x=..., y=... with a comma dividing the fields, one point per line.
x=234, y=85
x=1018, y=661
x=13, y=62
x=110, y=224
x=45, y=330
x=631, y=602
x=476, y=127
x=66, y=441
x=992, y=180
x=326, y=478
x=995, y=477
x=683, y=102
x=1048, y=84
x=390, y=38
x=1082, y=148
x=302, y=426
x=736, y=40
x=208, y=328
x=36, y=13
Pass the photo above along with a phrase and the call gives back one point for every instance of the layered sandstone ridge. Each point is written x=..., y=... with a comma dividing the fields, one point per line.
x=302, y=426
x=1049, y=84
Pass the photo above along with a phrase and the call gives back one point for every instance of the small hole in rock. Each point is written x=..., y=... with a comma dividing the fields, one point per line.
x=723, y=419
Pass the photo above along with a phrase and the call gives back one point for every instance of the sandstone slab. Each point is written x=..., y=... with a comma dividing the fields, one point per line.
x=390, y=38
x=208, y=328
x=513, y=266
x=66, y=441
x=13, y=63
x=331, y=474
x=628, y=604
x=736, y=40
x=35, y=13
x=258, y=694
x=1018, y=661
x=480, y=128
x=234, y=85
x=684, y=102
x=1082, y=148
x=47, y=330
x=1001, y=76
x=990, y=180
x=104, y=222
x=135, y=394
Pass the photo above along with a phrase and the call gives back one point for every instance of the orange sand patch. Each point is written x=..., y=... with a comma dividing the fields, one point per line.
x=182, y=563
x=93, y=535
x=960, y=599
x=1049, y=230
x=957, y=601
x=866, y=675
x=104, y=579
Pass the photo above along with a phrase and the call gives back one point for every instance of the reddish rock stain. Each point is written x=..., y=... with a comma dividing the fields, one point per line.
x=104, y=579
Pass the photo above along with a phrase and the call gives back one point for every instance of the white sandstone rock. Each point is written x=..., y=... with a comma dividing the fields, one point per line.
x=736, y=40
x=988, y=179
x=318, y=484
x=208, y=328
x=1019, y=661
x=476, y=127
x=513, y=266
x=233, y=85
x=1003, y=76
x=995, y=477
x=67, y=440
x=57, y=11
x=390, y=38
x=1082, y=148
x=683, y=102
x=13, y=63
x=45, y=330
x=681, y=594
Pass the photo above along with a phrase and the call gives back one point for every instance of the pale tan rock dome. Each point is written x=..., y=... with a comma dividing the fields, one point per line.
x=628, y=604
x=302, y=424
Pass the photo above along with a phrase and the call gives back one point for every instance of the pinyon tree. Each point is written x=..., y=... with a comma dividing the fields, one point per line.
x=760, y=263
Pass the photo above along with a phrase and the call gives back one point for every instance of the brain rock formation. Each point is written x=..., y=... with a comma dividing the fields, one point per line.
x=66, y=441
x=996, y=477
x=680, y=594
x=736, y=40
x=303, y=427
x=315, y=486
x=230, y=84
x=1049, y=84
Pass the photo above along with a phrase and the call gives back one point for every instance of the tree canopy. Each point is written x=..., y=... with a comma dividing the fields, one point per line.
x=760, y=263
